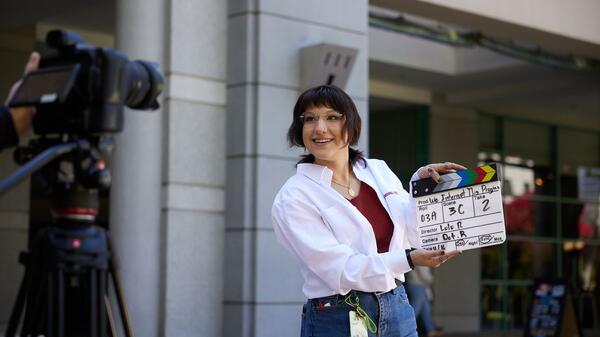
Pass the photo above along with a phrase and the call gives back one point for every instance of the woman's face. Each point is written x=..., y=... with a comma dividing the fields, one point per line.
x=323, y=135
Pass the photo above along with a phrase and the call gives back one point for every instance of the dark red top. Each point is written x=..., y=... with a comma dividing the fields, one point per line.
x=368, y=204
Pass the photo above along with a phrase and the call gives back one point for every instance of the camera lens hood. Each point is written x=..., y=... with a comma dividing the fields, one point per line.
x=156, y=86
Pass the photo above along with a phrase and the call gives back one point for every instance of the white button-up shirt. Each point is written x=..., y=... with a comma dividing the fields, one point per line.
x=331, y=238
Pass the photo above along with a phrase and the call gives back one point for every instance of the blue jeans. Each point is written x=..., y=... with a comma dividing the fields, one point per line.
x=391, y=312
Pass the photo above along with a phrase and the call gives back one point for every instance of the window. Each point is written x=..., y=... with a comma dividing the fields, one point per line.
x=551, y=177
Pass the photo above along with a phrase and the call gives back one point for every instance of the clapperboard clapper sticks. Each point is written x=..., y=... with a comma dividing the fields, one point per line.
x=463, y=211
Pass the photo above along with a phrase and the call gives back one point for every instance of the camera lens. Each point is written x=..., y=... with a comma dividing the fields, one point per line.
x=143, y=83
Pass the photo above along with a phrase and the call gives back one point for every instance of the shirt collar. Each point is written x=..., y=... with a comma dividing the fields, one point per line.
x=322, y=174
x=318, y=173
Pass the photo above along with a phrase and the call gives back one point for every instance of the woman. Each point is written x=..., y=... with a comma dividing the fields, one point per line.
x=350, y=223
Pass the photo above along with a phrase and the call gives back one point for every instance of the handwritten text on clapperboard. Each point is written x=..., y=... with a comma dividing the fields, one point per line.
x=463, y=218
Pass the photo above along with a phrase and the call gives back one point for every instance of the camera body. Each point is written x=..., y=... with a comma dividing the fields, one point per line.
x=80, y=89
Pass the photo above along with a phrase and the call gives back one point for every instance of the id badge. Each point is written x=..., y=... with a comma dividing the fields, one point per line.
x=357, y=325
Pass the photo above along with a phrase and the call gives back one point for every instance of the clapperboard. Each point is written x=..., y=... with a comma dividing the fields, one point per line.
x=463, y=211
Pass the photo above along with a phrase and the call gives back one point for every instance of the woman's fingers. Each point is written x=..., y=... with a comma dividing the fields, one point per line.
x=449, y=166
x=433, y=171
x=437, y=258
x=453, y=253
x=447, y=256
x=421, y=257
x=433, y=174
x=432, y=258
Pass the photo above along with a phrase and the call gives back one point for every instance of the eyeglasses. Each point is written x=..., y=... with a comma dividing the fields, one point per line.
x=332, y=118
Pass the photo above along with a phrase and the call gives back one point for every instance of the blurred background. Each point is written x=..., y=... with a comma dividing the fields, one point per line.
x=513, y=82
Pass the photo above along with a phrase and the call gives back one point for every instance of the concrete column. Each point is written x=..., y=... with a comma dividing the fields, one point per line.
x=263, y=281
x=168, y=199
x=135, y=201
x=194, y=168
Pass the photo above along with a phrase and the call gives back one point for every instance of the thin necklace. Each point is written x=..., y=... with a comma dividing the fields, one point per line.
x=351, y=191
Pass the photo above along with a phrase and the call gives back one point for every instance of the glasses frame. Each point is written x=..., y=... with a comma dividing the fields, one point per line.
x=340, y=116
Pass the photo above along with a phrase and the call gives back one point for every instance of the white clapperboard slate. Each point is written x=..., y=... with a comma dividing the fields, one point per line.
x=463, y=211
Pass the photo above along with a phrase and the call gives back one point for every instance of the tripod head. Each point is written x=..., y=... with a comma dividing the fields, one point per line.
x=73, y=179
x=71, y=171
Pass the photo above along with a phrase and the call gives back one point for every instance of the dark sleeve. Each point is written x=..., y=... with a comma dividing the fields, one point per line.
x=8, y=134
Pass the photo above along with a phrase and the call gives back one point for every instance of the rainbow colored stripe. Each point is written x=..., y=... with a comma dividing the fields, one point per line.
x=479, y=175
x=468, y=177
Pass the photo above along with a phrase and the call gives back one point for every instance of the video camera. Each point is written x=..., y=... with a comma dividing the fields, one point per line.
x=81, y=89
x=79, y=93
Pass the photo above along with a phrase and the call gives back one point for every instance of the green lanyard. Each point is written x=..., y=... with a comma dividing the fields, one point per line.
x=352, y=300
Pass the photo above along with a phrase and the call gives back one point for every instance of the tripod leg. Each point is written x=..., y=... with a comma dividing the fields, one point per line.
x=49, y=306
x=60, y=319
x=101, y=296
x=120, y=299
x=17, y=311
x=93, y=303
x=111, y=317
x=33, y=310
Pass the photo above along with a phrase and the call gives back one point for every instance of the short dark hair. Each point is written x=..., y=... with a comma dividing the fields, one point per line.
x=332, y=97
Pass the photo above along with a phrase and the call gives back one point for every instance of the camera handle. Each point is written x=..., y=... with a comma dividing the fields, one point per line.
x=39, y=161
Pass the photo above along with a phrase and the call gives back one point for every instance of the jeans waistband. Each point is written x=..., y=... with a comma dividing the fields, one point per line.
x=339, y=298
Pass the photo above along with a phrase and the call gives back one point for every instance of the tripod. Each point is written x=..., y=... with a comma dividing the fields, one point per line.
x=65, y=287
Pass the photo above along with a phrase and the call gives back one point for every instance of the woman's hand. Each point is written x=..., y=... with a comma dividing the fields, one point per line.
x=431, y=258
x=434, y=170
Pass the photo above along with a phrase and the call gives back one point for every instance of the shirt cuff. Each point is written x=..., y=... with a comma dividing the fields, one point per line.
x=396, y=262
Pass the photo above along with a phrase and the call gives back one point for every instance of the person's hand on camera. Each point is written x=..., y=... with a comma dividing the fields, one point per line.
x=431, y=258
x=22, y=115
x=434, y=171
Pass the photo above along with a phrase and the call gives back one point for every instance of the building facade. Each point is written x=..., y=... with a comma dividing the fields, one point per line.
x=189, y=209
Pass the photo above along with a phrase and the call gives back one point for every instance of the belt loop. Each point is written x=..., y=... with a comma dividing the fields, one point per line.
x=339, y=299
x=398, y=285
